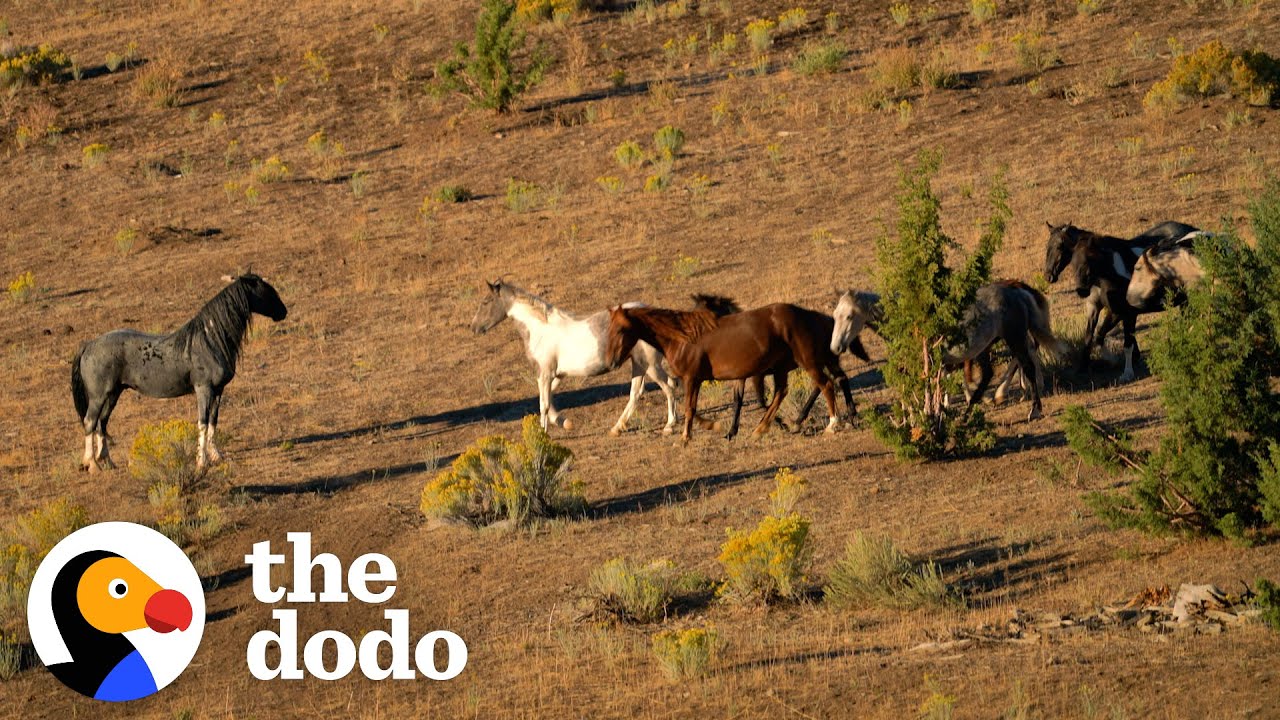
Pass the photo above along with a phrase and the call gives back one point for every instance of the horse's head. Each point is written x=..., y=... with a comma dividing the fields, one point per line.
x=622, y=337
x=493, y=309
x=1057, y=255
x=263, y=299
x=851, y=315
x=1082, y=267
x=1146, y=286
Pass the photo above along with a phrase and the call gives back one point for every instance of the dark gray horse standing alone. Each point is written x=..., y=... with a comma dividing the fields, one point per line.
x=198, y=357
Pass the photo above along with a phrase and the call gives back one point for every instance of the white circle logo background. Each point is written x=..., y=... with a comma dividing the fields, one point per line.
x=167, y=655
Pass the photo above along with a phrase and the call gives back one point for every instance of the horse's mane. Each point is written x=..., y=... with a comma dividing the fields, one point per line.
x=718, y=304
x=868, y=303
x=682, y=325
x=528, y=298
x=222, y=322
x=1183, y=242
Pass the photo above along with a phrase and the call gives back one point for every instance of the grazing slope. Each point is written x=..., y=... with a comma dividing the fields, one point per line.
x=211, y=163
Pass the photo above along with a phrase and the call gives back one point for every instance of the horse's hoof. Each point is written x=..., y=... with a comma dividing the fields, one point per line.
x=615, y=431
x=1125, y=378
x=567, y=424
x=1035, y=414
x=668, y=430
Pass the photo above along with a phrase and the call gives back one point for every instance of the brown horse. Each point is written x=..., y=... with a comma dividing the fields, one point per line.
x=771, y=340
x=722, y=306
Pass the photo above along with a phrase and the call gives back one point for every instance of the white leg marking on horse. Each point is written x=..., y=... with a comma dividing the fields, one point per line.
x=1127, y=375
x=832, y=422
x=215, y=455
x=87, y=462
x=201, y=450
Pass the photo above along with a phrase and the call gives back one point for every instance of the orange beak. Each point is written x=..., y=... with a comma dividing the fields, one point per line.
x=168, y=610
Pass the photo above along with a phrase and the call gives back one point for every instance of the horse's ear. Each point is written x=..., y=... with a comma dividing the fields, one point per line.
x=1048, y=224
x=494, y=285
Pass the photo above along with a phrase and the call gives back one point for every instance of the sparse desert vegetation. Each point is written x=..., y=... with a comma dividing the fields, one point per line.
x=379, y=173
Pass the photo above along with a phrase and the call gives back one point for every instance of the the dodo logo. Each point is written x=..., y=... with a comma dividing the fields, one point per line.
x=116, y=611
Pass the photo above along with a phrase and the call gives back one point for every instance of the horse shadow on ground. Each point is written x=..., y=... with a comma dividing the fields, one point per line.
x=502, y=411
x=801, y=658
x=645, y=500
x=990, y=572
x=226, y=578
x=332, y=484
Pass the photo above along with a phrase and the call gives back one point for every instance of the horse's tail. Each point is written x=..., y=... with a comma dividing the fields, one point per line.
x=78, y=391
x=1039, y=324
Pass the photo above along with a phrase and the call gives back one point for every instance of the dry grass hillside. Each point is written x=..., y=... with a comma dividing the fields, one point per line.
x=340, y=414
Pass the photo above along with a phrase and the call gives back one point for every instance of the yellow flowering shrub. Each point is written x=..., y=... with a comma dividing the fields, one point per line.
x=95, y=154
x=685, y=653
x=769, y=561
x=23, y=544
x=164, y=456
x=1213, y=69
x=165, y=452
x=500, y=479
x=35, y=65
x=270, y=170
x=760, y=33
x=22, y=286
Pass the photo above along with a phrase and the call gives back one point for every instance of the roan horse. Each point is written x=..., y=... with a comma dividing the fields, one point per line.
x=198, y=357
x=1166, y=268
x=698, y=346
x=1008, y=310
x=561, y=344
x=1060, y=248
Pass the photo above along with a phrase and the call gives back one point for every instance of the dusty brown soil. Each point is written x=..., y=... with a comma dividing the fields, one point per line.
x=339, y=414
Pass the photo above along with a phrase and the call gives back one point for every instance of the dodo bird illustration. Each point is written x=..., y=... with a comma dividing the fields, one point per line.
x=97, y=597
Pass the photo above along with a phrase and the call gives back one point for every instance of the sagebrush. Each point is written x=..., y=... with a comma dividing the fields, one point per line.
x=499, y=479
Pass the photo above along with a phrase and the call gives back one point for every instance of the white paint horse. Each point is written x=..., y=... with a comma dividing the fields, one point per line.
x=560, y=345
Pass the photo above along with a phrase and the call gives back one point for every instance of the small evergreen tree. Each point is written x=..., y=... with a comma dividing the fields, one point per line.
x=485, y=71
x=1216, y=469
x=924, y=306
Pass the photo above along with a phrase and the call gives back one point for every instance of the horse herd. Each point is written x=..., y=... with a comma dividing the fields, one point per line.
x=714, y=340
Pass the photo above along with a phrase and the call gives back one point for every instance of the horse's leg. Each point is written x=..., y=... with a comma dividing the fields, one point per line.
x=1007, y=378
x=104, y=439
x=824, y=384
x=806, y=408
x=691, y=389
x=553, y=415
x=779, y=392
x=984, y=378
x=204, y=404
x=544, y=396
x=1022, y=355
x=757, y=383
x=211, y=432
x=1130, y=347
x=667, y=386
x=90, y=422
x=739, y=390
x=1094, y=309
x=637, y=389
x=842, y=381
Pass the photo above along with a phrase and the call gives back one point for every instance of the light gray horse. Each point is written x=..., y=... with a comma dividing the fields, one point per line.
x=1007, y=310
x=560, y=344
x=198, y=357
x=1166, y=267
